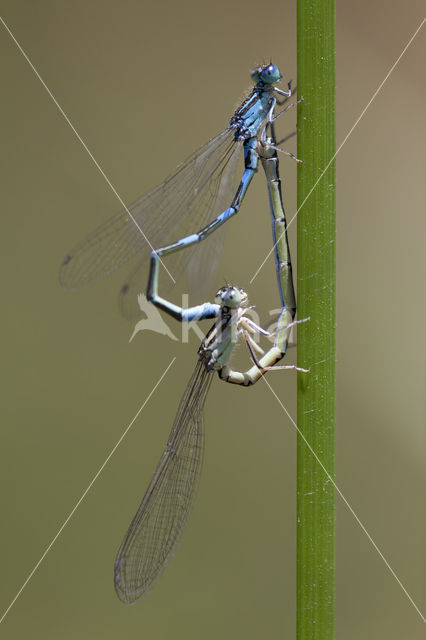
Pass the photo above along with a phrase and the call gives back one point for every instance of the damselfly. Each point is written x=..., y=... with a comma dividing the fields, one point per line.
x=158, y=525
x=202, y=189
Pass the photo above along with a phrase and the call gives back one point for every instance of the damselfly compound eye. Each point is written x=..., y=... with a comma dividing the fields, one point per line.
x=271, y=74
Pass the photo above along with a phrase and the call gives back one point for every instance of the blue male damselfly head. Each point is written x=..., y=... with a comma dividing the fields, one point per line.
x=268, y=74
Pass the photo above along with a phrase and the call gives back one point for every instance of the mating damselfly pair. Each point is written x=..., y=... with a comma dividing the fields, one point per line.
x=201, y=193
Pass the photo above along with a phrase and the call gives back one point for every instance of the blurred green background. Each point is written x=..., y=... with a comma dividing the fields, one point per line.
x=146, y=83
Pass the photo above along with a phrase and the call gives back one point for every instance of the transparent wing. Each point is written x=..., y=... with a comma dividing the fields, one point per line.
x=201, y=262
x=158, y=525
x=196, y=192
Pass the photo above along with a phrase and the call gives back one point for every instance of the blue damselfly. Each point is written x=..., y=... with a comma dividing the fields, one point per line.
x=201, y=193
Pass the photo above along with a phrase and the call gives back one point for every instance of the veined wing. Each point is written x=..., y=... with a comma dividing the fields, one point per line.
x=196, y=192
x=200, y=264
x=158, y=525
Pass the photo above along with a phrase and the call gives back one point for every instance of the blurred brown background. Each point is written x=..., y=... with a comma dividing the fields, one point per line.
x=145, y=84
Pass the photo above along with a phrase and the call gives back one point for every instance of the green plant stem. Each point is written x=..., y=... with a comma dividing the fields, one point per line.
x=316, y=338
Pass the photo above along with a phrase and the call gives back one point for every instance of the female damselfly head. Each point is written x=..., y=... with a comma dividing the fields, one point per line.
x=229, y=296
x=268, y=74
